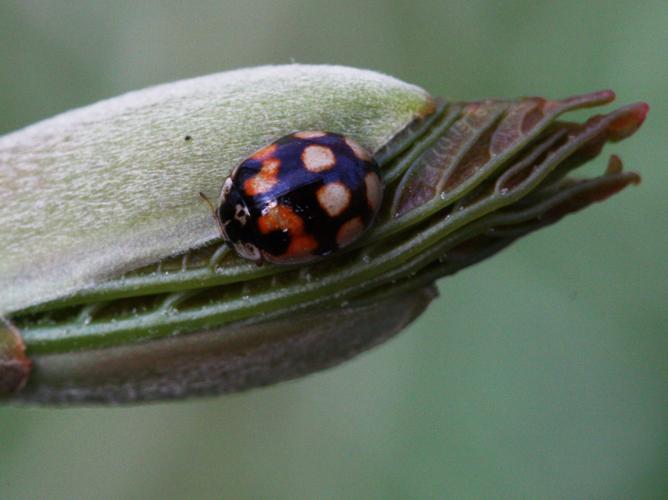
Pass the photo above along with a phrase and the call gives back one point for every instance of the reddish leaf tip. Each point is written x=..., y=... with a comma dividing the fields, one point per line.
x=592, y=99
x=605, y=96
x=610, y=93
x=629, y=121
x=615, y=165
x=643, y=110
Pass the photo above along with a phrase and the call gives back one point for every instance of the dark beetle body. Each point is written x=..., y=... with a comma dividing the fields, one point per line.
x=300, y=198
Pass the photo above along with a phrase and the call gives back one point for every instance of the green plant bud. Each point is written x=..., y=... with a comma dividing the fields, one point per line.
x=126, y=293
x=106, y=188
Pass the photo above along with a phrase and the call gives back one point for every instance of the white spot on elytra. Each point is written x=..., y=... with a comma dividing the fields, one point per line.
x=349, y=231
x=317, y=158
x=374, y=191
x=359, y=151
x=309, y=134
x=334, y=198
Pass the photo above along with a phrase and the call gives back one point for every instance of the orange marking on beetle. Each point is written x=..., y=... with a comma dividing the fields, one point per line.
x=349, y=231
x=318, y=158
x=265, y=179
x=280, y=218
x=334, y=198
x=265, y=152
x=283, y=218
x=301, y=246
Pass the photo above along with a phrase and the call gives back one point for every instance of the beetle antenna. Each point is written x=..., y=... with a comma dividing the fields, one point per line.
x=213, y=212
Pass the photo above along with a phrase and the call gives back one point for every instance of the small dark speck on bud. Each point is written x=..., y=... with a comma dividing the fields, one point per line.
x=189, y=138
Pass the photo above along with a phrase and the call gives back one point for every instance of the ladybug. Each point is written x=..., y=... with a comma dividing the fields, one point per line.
x=300, y=199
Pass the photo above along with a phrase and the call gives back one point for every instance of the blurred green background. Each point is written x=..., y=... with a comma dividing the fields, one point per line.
x=541, y=373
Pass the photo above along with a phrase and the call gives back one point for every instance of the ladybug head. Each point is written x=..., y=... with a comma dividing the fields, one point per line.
x=236, y=224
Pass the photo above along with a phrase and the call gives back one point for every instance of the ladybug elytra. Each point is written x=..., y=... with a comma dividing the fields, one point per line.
x=299, y=199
